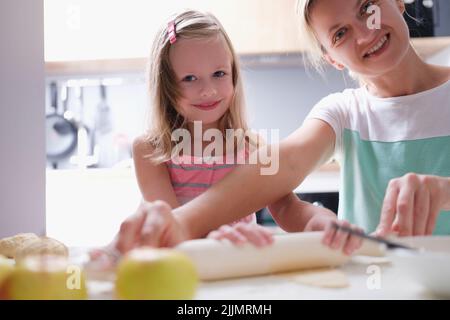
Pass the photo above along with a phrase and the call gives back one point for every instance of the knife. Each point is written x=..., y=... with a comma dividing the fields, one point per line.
x=389, y=244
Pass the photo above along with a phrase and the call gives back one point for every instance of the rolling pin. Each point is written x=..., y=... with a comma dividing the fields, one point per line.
x=216, y=260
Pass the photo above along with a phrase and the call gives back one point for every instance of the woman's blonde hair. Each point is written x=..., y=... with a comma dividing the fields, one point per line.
x=313, y=49
x=164, y=92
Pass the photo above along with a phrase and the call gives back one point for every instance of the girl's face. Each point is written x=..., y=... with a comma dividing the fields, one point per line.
x=203, y=71
x=346, y=31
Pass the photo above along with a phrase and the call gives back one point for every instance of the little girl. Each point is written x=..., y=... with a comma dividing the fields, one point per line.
x=392, y=135
x=195, y=87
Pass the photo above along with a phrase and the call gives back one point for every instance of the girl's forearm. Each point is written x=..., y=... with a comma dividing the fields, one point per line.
x=246, y=189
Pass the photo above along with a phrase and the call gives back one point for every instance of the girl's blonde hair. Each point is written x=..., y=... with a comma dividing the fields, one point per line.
x=164, y=92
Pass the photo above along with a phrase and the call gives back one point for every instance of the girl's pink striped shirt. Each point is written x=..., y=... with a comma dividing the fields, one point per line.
x=191, y=176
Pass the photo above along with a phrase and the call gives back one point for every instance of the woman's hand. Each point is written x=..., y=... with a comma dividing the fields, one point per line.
x=242, y=232
x=412, y=204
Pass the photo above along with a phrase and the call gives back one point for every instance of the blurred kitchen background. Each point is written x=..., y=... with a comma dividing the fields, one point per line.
x=96, y=96
x=95, y=52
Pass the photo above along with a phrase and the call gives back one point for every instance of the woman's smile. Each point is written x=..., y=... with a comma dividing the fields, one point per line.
x=378, y=48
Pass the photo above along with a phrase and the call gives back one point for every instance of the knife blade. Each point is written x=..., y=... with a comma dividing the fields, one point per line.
x=388, y=243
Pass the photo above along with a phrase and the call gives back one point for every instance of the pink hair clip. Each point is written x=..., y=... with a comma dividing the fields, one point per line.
x=172, y=32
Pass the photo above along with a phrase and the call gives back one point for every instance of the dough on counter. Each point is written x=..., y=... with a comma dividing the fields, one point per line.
x=323, y=278
x=42, y=247
x=9, y=246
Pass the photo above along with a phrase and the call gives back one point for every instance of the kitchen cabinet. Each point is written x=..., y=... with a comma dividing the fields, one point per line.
x=102, y=29
x=92, y=37
x=426, y=47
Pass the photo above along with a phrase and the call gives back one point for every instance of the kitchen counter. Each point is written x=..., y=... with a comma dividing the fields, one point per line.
x=369, y=277
x=393, y=285
x=321, y=181
x=275, y=287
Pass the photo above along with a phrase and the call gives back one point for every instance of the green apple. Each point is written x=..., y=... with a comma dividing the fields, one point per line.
x=160, y=274
x=45, y=277
x=6, y=267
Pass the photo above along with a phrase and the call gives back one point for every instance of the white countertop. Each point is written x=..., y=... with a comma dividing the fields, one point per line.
x=320, y=181
x=391, y=277
x=275, y=287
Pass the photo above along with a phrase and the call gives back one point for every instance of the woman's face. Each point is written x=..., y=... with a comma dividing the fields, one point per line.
x=203, y=71
x=353, y=38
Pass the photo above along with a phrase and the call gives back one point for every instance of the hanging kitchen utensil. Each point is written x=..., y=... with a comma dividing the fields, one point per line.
x=104, y=135
x=85, y=156
x=61, y=134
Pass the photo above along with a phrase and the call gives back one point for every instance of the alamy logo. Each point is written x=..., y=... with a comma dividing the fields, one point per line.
x=73, y=281
x=374, y=279
x=241, y=147
x=374, y=20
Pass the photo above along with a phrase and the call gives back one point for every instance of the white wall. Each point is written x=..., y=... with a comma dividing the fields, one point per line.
x=22, y=136
x=281, y=97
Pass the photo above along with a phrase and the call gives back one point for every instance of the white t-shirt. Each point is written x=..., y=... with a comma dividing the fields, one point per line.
x=378, y=139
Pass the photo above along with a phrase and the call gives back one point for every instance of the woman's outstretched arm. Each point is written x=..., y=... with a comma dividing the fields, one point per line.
x=246, y=189
x=243, y=191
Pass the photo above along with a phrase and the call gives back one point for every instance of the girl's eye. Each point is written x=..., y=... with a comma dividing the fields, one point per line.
x=219, y=74
x=339, y=35
x=189, y=78
x=365, y=7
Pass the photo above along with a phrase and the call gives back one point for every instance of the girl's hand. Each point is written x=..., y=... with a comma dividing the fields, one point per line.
x=412, y=204
x=341, y=240
x=242, y=232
